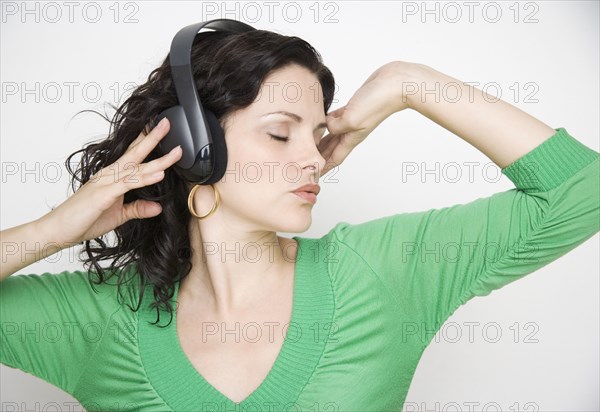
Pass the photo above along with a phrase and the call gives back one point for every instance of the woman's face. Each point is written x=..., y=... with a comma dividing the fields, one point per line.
x=262, y=172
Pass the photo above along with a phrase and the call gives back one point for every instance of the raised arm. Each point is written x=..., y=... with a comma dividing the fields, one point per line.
x=501, y=131
x=431, y=262
x=95, y=209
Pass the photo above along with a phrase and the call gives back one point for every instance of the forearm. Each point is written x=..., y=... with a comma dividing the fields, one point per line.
x=503, y=132
x=26, y=244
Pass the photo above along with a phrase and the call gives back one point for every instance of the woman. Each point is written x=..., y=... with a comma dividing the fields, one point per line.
x=257, y=321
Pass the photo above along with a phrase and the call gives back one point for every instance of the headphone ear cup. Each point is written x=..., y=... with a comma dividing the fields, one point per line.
x=179, y=134
x=219, y=148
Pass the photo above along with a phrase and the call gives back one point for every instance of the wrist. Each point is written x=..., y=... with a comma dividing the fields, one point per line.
x=411, y=75
x=49, y=232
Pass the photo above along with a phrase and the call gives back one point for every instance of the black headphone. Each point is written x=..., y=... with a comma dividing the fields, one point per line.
x=196, y=129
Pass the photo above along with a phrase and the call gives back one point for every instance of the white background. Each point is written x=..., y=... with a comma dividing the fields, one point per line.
x=558, y=55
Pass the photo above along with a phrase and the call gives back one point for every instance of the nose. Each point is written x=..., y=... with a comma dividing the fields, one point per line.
x=313, y=160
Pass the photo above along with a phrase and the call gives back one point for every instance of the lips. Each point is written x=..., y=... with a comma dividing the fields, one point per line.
x=309, y=188
x=307, y=196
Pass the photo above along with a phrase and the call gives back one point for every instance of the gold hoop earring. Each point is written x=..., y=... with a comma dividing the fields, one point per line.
x=191, y=202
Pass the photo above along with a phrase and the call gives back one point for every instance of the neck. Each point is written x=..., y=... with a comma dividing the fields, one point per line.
x=235, y=269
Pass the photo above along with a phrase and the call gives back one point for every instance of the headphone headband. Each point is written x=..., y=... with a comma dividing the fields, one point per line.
x=181, y=46
x=196, y=129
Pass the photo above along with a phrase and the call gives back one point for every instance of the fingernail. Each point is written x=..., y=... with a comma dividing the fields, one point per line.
x=176, y=149
x=162, y=123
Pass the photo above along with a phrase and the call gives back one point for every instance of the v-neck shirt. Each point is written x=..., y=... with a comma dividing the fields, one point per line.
x=186, y=389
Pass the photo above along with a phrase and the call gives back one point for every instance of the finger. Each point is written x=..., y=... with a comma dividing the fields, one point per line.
x=144, y=144
x=137, y=140
x=329, y=164
x=114, y=186
x=121, y=177
x=142, y=135
x=132, y=173
x=327, y=144
x=163, y=162
x=140, y=209
x=338, y=122
x=337, y=112
x=130, y=160
x=339, y=154
x=342, y=148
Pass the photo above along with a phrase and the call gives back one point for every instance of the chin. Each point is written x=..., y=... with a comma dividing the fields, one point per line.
x=297, y=224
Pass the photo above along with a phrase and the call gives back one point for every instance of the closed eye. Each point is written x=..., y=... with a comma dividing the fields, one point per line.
x=279, y=138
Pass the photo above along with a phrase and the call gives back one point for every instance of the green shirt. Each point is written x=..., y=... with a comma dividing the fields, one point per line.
x=368, y=299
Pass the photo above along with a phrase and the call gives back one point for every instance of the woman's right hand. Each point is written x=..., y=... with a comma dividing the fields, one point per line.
x=97, y=207
x=380, y=96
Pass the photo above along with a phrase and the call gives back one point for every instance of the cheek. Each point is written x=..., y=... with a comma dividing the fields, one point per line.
x=263, y=164
x=249, y=177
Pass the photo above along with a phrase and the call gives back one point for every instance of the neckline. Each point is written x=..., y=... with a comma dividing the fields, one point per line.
x=182, y=387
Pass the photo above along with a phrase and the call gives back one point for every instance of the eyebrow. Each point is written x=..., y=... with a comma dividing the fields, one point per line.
x=296, y=118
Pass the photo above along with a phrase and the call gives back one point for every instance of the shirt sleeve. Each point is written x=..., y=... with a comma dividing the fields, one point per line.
x=436, y=260
x=51, y=324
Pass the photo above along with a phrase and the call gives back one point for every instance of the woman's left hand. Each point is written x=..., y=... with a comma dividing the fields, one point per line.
x=376, y=99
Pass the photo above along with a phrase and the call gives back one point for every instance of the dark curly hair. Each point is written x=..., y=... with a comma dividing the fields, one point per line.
x=229, y=69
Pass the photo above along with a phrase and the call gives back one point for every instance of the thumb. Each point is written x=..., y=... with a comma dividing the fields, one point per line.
x=336, y=122
x=140, y=209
